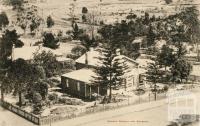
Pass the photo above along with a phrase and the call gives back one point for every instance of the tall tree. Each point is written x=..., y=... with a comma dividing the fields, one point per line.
x=110, y=71
x=166, y=56
x=3, y=20
x=154, y=75
x=151, y=36
x=181, y=69
x=21, y=74
x=48, y=61
x=9, y=38
x=76, y=32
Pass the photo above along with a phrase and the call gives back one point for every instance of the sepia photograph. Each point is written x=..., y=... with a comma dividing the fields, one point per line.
x=99, y=62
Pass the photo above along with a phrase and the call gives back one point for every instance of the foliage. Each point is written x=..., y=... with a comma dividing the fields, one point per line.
x=84, y=10
x=16, y=3
x=41, y=87
x=34, y=25
x=181, y=50
x=131, y=16
x=19, y=44
x=181, y=69
x=72, y=56
x=37, y=98
x=29, y=18
x=168, y=1
x=87, y=42
x=3, y=20
x=50, y=41
x=48, y=61
x=70, y=101
x=151, y=36
x=50, y=22
x=84, y=18
x=76, y=32
x=8, y=39
x=166, y=56
x=78, y=51
x=154, y=75
x=53, y=97
x=22, y=74
x=111, y=70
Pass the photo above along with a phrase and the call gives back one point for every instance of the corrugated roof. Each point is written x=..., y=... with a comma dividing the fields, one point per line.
x=84, y=75
x=92, y=57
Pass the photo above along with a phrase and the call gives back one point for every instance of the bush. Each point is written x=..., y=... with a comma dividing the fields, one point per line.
x=72, y=56
x=50, y=41
x=84, y=19
x=37, y=43
x=53, y=97
x=37, y=98
x=70, y=101
x=78, y=51
x=3, y=20
x=50, y=22
x=84, y=10
x=19, y=44
x=37, y=109
x=165, y=88
x=168, y=1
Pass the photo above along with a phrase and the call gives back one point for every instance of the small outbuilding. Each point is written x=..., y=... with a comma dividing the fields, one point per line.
x=79, y=83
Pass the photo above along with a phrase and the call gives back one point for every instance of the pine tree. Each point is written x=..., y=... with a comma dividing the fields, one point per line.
x=166, y=56
x=110, y=72
x=153, y=76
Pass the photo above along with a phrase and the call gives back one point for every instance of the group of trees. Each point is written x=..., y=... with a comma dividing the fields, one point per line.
x=121, y=35
x=22, y=78
x=178, y=68
x=29, y=18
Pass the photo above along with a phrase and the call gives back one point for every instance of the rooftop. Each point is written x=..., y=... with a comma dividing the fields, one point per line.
x=93, y=60
x=83, y=75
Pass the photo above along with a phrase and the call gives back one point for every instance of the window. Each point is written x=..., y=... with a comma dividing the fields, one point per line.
x=78, y=86
x=67, y=82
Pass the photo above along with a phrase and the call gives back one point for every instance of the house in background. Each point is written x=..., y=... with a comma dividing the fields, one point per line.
x=80, y=82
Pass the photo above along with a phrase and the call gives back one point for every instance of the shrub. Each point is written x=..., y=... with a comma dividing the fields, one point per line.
x=165, y=88
x=70, y=101
x=37, y=109
x=50, y=41
x=84, y=10
x=84, y=19
x=50, y=22
x=72, y=56
x=168, y=1
x=37, y=98
x=19, y=44
x=53, y=97
x=3, y=20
